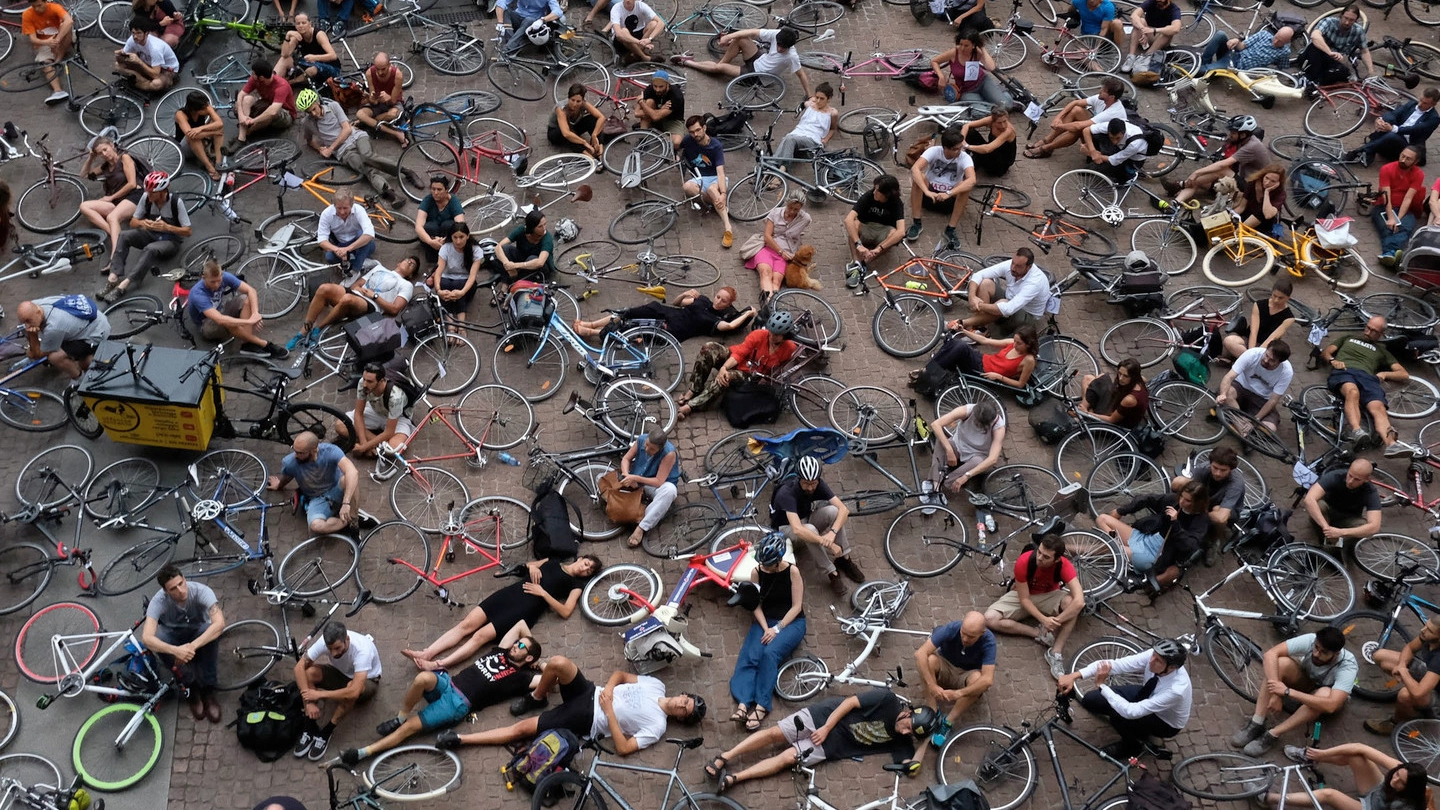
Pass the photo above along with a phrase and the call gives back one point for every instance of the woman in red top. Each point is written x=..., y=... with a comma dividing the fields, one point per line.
x=1012, y=362
x=762, y=352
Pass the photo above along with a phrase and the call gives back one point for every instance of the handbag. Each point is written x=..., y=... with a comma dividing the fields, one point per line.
x=621, y=505
x=917, y=149
x=751, y=246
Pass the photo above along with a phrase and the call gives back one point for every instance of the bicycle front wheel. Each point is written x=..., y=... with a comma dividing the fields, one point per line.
x=530, y=363
x=1170, y=246
x=229, y=476
x=866, y=413
x=1345, y=268
x=136, y=566
x=425, y=159
x=848, y=178
x=814, y=15
x=1105, y=648
x=117, y=747
x=385, y=557
x=1415, y=398
x=906, y=325
x=1238, y=261
x=1310, y=582
x=755, y=91
x=455, y=54
x=447, y=363
x=647, y=353
x=426, y=495
x=1385, y=555
x=756, y=194
x=925, y=541
x=1421, y=57
x=607, y=599
x=1079, y=452
x=112, y=110
x=1080, y=239
x=582, y=486
x=686, y=528
x=33, y=410
x=810, y=397
x=1145, y=340
x=651, y=150
x=318, y=566
x=1089, y=53
x=25, y=570
x=33, y=643
x=123, y=488
x=310, y=417
x=1123, y=478
x=1006, y=47
x=246, y=651
x=801, y=678
x=496, y=417
x=47, y=207
x=413, y=773
x=516, y=80
x=1084, y=193
x=48, y=479
x=1418, y=740
x=1254, y=434
x=1236, y=659
x=999, y=764
x=816, y=321
x=1182, y=409
x=686, y=271
x=1366, y=633
x=278, y=283
x=132, y=315
x=1223, y=776
x=1337, y=114
x=642, y=222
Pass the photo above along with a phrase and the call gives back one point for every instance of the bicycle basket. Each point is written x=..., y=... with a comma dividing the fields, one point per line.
x=540, y=469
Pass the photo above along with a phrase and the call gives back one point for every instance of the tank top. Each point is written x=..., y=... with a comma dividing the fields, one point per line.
x=957, y=75
x=113, y=179
x=1132, y=417
x=200, y=118
x=775, y=599
x=647, y=465
x=814, y=125
x=311, y=47
x=1002, y=365
x=389, y=85
x=971, y=440
x=1269, y=323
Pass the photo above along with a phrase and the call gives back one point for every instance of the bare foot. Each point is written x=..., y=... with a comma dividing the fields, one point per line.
x=413, y=655
x=683, y=412
x=428, y=665
x=635, y=538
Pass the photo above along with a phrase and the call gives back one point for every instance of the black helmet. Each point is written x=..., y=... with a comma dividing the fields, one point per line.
x=771, y=548
x=697, y=714
x=923, y=721
x=1171, y=651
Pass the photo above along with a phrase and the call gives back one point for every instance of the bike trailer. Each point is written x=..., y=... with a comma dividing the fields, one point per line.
x=1421, y=263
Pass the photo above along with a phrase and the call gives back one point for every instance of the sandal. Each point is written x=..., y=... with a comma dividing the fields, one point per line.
x=741, y=712
x=727, y=781
x=1035, y=152
x=756, y=717
x=716, y=768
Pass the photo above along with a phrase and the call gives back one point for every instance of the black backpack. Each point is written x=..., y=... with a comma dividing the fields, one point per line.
x=731, y=123
x=552, y=518
x=1051, y=424
x=1149, y=793
x=270, y=719
x=751, y=403
x=1154, y=138
x=961, y=795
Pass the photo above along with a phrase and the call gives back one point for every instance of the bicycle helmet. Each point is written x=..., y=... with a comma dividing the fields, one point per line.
x=157, y=181
x=808, y=468
x=1137, y=260
x=1171, y=651
x=923, y=721
x=781, y=323
x=566, y=230
x=771, y=548
x=538, y=33
x=1244, y=123
x=306, y=99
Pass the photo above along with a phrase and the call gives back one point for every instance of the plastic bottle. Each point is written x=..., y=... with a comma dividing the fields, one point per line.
x=506, y=458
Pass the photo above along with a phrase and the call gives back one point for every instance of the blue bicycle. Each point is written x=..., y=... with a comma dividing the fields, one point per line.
x=1398, y=564
x=26, y=407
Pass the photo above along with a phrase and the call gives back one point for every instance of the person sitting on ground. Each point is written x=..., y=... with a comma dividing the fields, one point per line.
x=778, y=628
x=1344, y=503
x=378, y=290
x=437, y=216
x=1120, y=398
x=812, y=516
x=516, y=22
x=1047, y=590
x=718, y=366
x=631, y=709
x=456, y=272
x=992, y=156
x=1258, y=381
x=1315, y=671
x=1008, y=295
x=183, y=620
x=1153, y=24
x=170, y=21
x=633, y=28
x=692, y=315
x=223, y=307
x=265, y=106
x=528, y=251
x=1098, y=17
x=329, y=483
x=550, y=585
x=971, y=71
x=1118, y=151
x=818, y=123
x=1264, y=48
x=873, y=225
x=1224, y=490
x=704, y=174
x=505, y=671
x=1432, y=204
x=652, y=464
x=661, y=104
x=1159, y=707
x=971, y=438
x=384, y=98
x=941, y=180
x=307, y=57
x=1243, y=154
x=785, y=228
x=200, y=130
x=63, y=329
x=1012, y=362
x=1334, y=42
x=769, y=50
x=837, y=728
x=1381, y=780
x=121, y=176
x=1410, y=124
x=957, y=667
x=576, y=125
x=382, y=415
x=346, y=233
x=51, y=31
x=1172, y=532
x=147, y=58
x=328, y=131
x=1402, y=196
x=1082, y=114
x=350, y=678
x=963, y=15
x=157, y=228
x=1268, y=322
x=1416, y=668
x=1358, y=367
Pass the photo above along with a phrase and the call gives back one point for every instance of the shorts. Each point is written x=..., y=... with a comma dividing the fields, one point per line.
x=332, y=678
x=1009, y=607
x=1248, y=401
x=943, y=206
x=705, y=181
x=576, y=711
x=375, y=422
x=749, y=66
x=873, y=233
x=78, y=349
x=324, y=506
x=813, y=754
x=1370, y=388
x=1010, y=324
x=213, y=331
x=1145, y=550
x=378, y=109
x=46, y=53
x=323, y=70
x=769, y=257
x=949, y=676
x=446, y=705
x=371, y=306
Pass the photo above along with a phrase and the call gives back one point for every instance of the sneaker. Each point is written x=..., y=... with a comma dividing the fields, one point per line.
x=952, y=239
x=927, y=497
x=110, y=294
x=1244, y=736
x=337, y=29
x=527, y=703
x=1129, y=64
x=1359, y=439
x=253, y=348
x=1348, y=157
x=837, y=586
x=385, y=728
x=852, y=572
x=942, y=733
x=727, y=239
x=350, y=756
x=1382, y=727
x=56, y=97
x=1387, y=260
x=1296, y=753
x=854, y=272
x=1045, y=638
x=277, y=352
x=302, y=748
x=317, y=748
x=1399, y=254
x=1057, y=664
x=447, y=740
x=293, y=342
x=913, y=232
x=391, y=198
x=1257, y=747
x=1212, y=554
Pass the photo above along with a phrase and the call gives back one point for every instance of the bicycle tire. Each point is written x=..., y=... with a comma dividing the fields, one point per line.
x=815, y=15
x=427, y=494
x=1098, y=560
x=1223, y=776
x=810, y=398
x=866, y=413
x=1090, y=53
x=1105, y=648
x=1178, y=64
x=85, y=421
x=823, y=61
x=446, y=363
x=32, y=643
x=809, y=310
x=567, y=786
x=591, y=522
x=516, y=80
x=992, y=757
x=687, y=527
x=160, y=153
x=1418, y=740
x=495, y=417
x=855, y=121
x=136, y=566
x=756, y=194
x=277, y=281
x=730, y=457
x=1170, y=246
x=1224, y=267
x=1347, y=268
x=906, y=325
x=1006, y=47
x=1122, y=478
x=1253, y=434
x=964, y=393
x=1148, y=341
x=1422, y=57
x=470, y=103
x=46, y=209
x=21, y=78
x=1316, y=184
x=1084, y=193
x=1182, y=409
x=755, y=91
x=1080, y=449
x=312, y=417
x=594, y=76
x=455, y=54
x=531, y=363
x=487, y=213
x=380, y=573
x=123, y=113
x=1214, y=300
x=1309, y=582
x=424, y=159
x=559, y=171
x=590, y=258
x=1337, y=114
x=848, y=177
x=1416, y=398
x=632, y=406
x=1380, y=556
x=922, y=542
x=333, y=557
x=124, y=487
x=393, y=227
x=643, y=222
x=107, y=767
x=1367, y=632
x=644, y=352
x=9, y=725
x=1059, y=359
x=1170, y=156
x=1401, y=312
x=801, y=678
x=114, y=21
x=246, y=651
x=602, y=601
x=66, y=464
x=244, y=475
x=25, y=570
x=210, y=565
x=654, y=150
x=33, y=410
x=686, y=271
x=1236, y=659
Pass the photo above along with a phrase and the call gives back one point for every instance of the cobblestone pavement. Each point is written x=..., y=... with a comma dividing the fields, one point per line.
x=204, y=767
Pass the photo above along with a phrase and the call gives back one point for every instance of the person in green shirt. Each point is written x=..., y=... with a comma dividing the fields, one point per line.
x=529, y=249
x=1359, y=364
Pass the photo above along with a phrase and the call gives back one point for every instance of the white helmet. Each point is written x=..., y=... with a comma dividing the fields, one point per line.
x=538, y=33
x=567, y=230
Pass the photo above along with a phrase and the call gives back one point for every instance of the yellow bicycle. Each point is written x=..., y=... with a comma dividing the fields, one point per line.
x=1240, y=255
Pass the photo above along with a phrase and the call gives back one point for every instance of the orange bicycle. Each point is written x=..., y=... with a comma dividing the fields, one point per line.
x=908, y=321
x=1048, y=229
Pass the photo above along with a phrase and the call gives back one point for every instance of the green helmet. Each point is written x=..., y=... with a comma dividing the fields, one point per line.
x=306, y=99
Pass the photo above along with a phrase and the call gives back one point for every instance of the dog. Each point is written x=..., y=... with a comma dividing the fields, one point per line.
x=797, y=271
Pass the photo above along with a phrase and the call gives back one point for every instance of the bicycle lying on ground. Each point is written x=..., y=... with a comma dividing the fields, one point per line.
x=575, y=788
x=879, y=604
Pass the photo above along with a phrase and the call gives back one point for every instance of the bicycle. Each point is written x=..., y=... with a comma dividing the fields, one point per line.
x=880, y=65
x=1153, y=339
x=249, y=648
x=405, y=774
x=882, y=127
x=1079, y=53
x=390, y=226
x=98, y=109
x=838, y=173
x=20, y=787
x=1398, y=567
x=1050, y=229
x=259, y=35
x=25, y=407
x=453, y=52
x=599, y=260
x=1227, y=776
x=808, y=796
x=1342, y=108
x=712, y=19
x=579, y=789
x=521, y=76
x=58, y=255
x=1242, y=255
x=1089, y=194
x=460, y=157
x=46, y=497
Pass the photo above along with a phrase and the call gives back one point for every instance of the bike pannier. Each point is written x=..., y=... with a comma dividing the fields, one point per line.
x=961, y=795
x=750, y=403
x=270, y=719
x=374, y=337
x=1051, y=424
x=551, y=531
x=530, y=307
x=1149, y=793
x=548, y=753
x=1141, y=282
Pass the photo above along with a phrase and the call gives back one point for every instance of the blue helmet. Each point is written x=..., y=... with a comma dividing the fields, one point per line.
x=771, y=548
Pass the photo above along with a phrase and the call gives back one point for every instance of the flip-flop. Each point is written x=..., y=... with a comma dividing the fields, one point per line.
x=714, y=770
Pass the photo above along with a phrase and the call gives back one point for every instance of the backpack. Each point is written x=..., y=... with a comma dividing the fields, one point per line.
x=270, y=719
x=1149, y=793
x=961, y=795
x=548, y=753
x=1154, y=138
x=1051, y=424
x=1149, y=440
x=752, y=403
x=410, y=389
x=551, y=524
x=77, y=306
x=374, y=337
x=731, y=123
x=530, y=308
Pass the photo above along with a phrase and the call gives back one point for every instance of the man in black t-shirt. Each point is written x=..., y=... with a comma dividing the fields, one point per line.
x=874, y=225
x=692, y=315
x=806, y=509
x=1416, y=669
x=1152, y=26
x=704, y=160
x=1343, y=503
x=505, y=671
x=661, y=104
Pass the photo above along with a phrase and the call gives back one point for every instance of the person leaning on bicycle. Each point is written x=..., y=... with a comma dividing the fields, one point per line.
x=1315, y=671
x=1264, y=48
x=382, y=414
x=1416, y=668
x=1158, y=707
x=1359, y=364
x=329, y=483
x=1243, y=154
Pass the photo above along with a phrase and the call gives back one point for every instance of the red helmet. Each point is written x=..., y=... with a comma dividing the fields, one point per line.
x=157, y=181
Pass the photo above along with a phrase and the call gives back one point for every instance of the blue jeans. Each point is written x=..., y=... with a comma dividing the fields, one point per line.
x=357, y=256
x=202, y=670
x=1391, y=241
x=335, y=11
x=518, y=25
x=1217, y=53
x=755, y=669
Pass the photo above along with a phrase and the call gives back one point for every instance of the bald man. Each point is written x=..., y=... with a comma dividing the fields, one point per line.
x=63, y=329
x=329, y=483
x=1359, y=364
x=384, y=95
x=1344, y=504
x=957, y=666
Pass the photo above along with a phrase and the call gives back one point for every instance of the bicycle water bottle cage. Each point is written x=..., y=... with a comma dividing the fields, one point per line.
x=630, y=176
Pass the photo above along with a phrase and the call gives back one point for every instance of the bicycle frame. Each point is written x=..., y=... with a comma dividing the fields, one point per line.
x=594, y=780
x=454, y=528
x=252, y=503
x=1053, y=229
x=389, y=460
x=590, y=355
x=78, y=679
x=718, y=567
x=813, y=801
x=1046, y=731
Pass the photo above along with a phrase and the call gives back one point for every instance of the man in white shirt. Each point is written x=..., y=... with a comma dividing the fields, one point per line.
x=1080, y=115
x=632, y=710
x=379, y=290
x=147, y=58
x=1158, y=706
x=1257, y=381
x=1007, y=296
x=345, y=231
x=941, y=180
x=768, y=50
x=351, y=677
x=634, y=24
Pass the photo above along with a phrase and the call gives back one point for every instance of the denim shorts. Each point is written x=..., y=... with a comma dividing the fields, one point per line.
x=1145, y=550
x=446, y=705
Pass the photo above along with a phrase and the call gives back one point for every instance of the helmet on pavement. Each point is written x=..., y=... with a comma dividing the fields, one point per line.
x=306, y=99
x=1244, y=123
x=1171, y=651
x=157, y=181
x=771, y=548
x=808, y=468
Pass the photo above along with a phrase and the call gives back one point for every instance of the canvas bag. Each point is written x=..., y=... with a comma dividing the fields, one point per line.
x=621, y=505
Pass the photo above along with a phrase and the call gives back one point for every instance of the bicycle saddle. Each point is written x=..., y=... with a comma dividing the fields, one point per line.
x=289, y=372
x=686, y=743
x=1054, y=525
x=1024, y=27
x=897, y=767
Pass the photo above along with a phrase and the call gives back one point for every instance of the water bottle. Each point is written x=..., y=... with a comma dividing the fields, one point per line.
x=506, y=458
x=916, y=285
x=228, y=179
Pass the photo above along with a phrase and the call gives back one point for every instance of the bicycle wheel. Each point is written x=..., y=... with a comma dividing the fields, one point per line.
x=32, y=644
x=516, y=80
x=1310, y=582
x=849, y=178
x=229, y=476
x=1059, y=359
x=469, y=103
x=455, y=54
x=1418, y=740
x=487, y=213
x=318, y=566
x=246, y=650
x=814, y=15
x=1006, y=47
x=1171, y=155
x=114, y=21
x=1253, y=434
x=84, y=420
x=1170, y=246
x=1182, y=409
x=1080, y=451
x=582, y=486
x=642, y=222
x=385, y=558
x=1089, y=53
x=1401, y=312
x=1415, y=398
x=426, y=495
x=1238, y=261
x=1236, y=659
x=651, y=149
x=925, y=541
x=686, y=271
x=1337, y=114
x=810, y=399
x=496, y=521
x=906, y=325
x=47, y=207
x=816, y=321
x=1123, y=478
x=48, y=479
x=687, y=527
x=136, y=566
x=631, y=406
x=9, y=724
x=23, y=77
x=855, y=121
x=124, y=487
x=1367, y=632
x=1084, y=193
x=123, y=113
x=1223, y=776
x=1002, y=766
x=755, y=91
x=593, y=75
x=1213, y=300
x=821, y=60
x=866, y=413
x=756, y=194
x=1148, y=341
x=731, y=455
x=424, y=159
x=801, y=678
x=569, y=787
x=1098, y=560
x=25, y=570
x=588, y=258
x=1421, y=57
x=1316, y=184
x=1105, y=648
x=1014, y=487
x=642, y=352
x=278, y=283
x=529, y=363
x=1385, y=555
x=159, y=153
x=607, y=599
x=310, y=417
x=446, y=363
x=495, y=417
x=103, y=761
x=1077, y=238
x=33, y=410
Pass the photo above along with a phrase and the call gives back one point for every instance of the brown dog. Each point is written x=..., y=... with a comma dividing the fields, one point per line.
x=797, y=271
